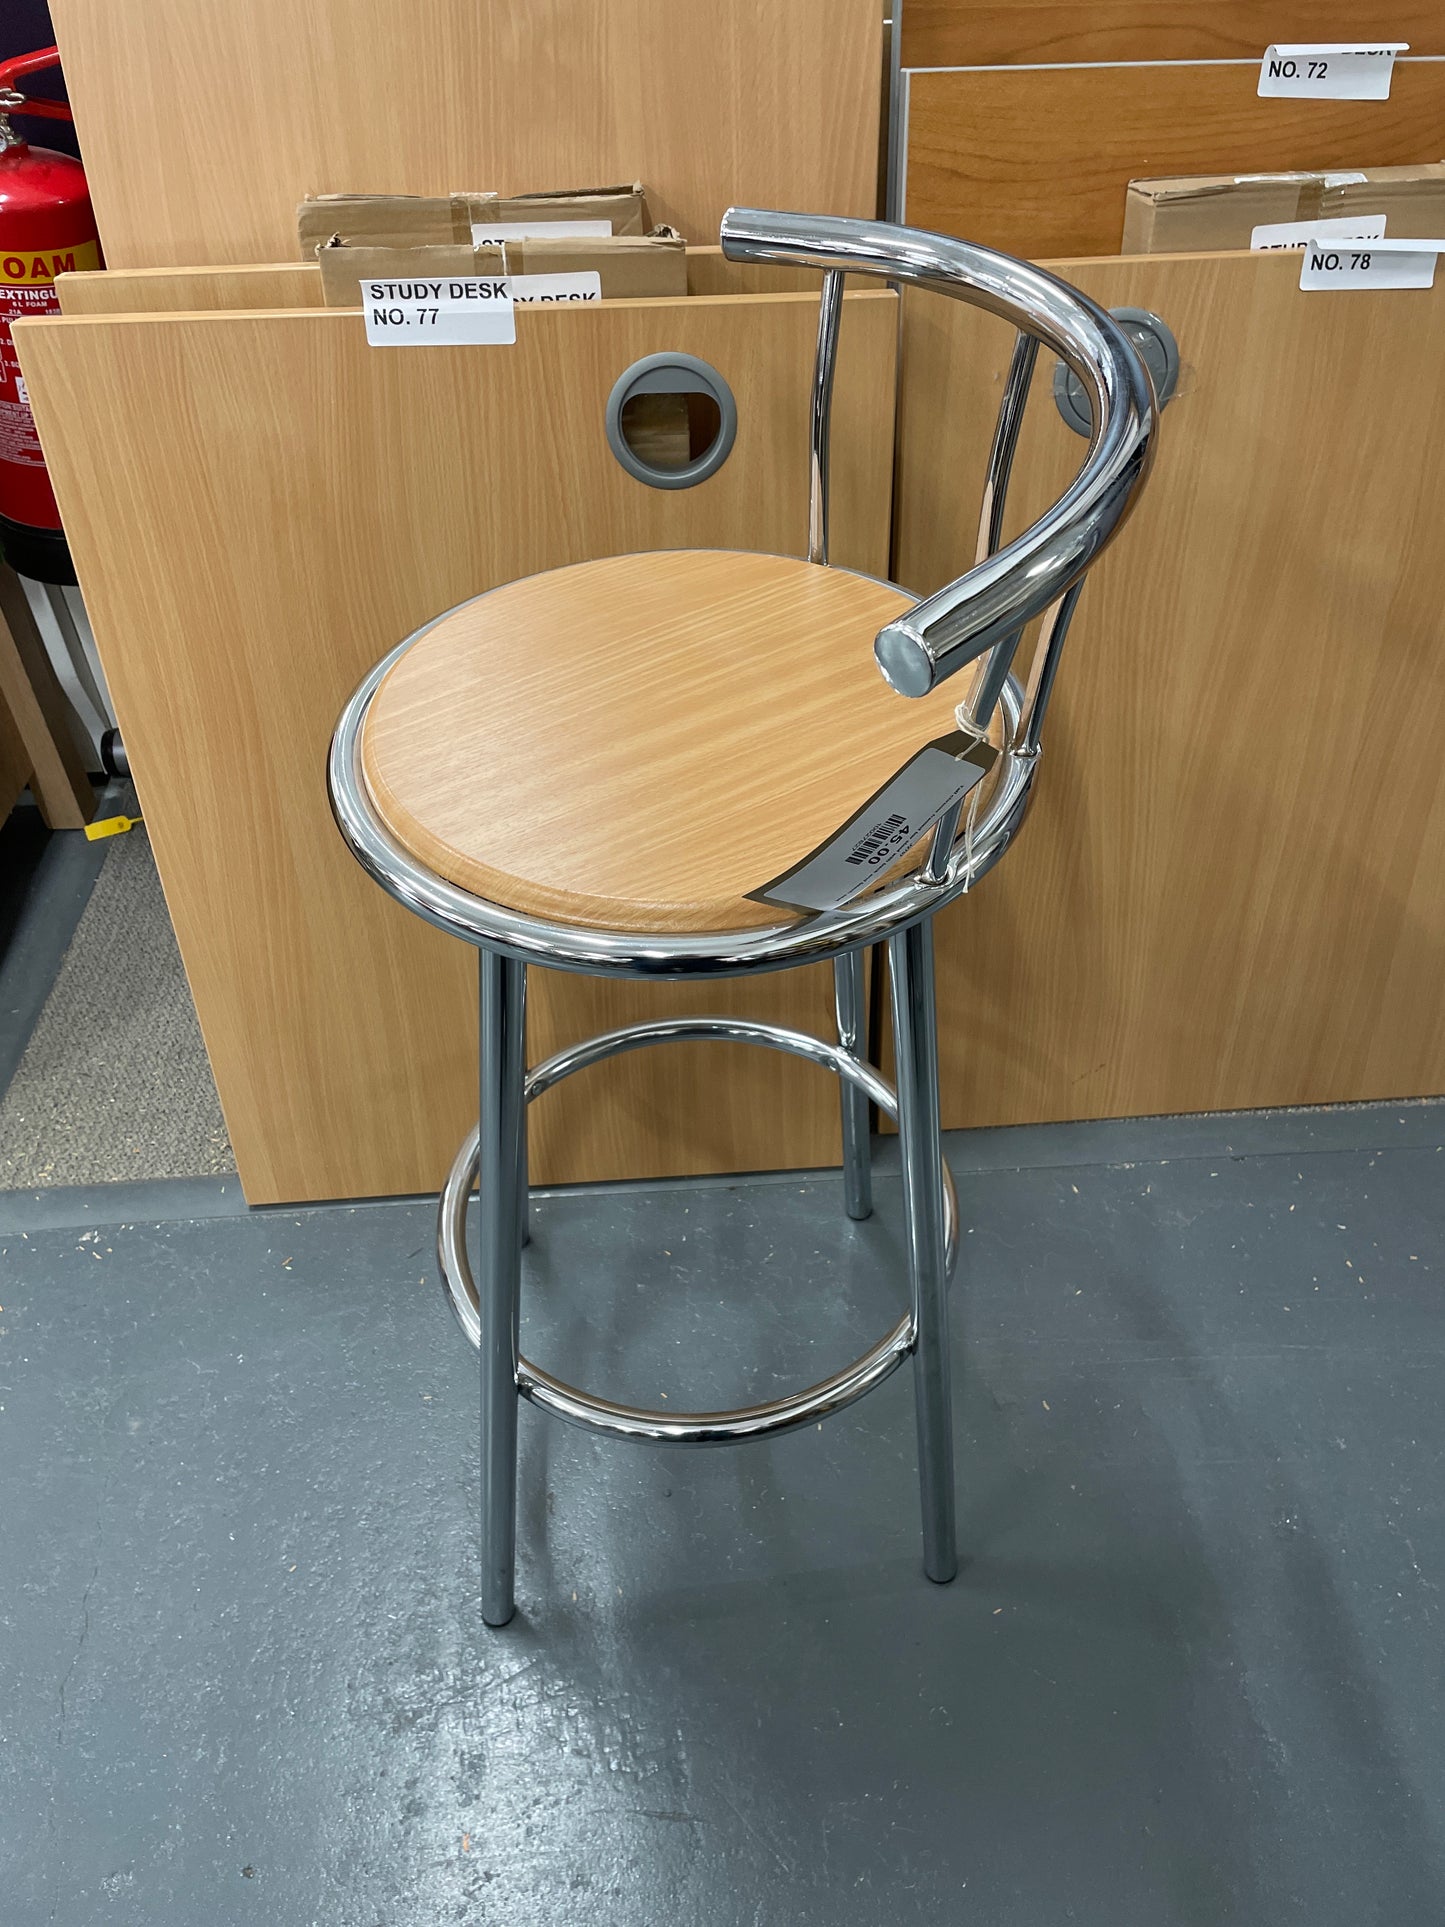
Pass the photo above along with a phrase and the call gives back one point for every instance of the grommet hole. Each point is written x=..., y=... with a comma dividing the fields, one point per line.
x=1158, y=350
x=670, y=431
x=671, y=420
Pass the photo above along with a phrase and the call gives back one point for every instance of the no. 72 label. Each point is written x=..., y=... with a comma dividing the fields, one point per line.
x=1319, y=70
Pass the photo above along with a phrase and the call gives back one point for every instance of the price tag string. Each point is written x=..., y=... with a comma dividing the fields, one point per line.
x=969, y=727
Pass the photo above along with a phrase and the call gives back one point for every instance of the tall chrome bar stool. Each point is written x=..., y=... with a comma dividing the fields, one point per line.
x=734, y=723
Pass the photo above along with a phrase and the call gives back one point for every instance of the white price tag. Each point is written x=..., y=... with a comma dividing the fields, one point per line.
x=1400, y=262
x=445, y=313
x=490, y=233
x=1320, y=70
x=1295, y=234
x=586, y=285
x=890, y=822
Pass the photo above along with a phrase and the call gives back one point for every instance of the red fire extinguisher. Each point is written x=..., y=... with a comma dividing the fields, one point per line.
x=46, y=227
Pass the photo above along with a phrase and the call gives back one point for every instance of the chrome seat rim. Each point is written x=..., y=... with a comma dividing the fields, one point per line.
x=715, y=953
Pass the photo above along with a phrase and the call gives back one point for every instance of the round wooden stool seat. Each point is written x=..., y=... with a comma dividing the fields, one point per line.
x=637, y=743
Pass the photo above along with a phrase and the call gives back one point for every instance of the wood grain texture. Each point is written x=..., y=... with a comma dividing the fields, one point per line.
x=282, y=284
x=1231, y=889
x=14, y=758
x=708, y=272
x=260, y=506
x=204, y=126
x=987, y=33
x=297, y=284
x=31, y=692
x=641, y=742
x=1037, y=161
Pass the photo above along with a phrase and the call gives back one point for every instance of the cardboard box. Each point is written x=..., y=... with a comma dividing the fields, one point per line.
x=630, y=266
x=1204, y=211
x=419, y=220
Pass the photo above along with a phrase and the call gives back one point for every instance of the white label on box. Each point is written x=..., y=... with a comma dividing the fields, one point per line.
x=1354, y=179
x=445, y=313
x=889, y=823
x=491, y=233
x=1401, y=262
x=1296, y=234
x=1320, y=70
x=586, y=285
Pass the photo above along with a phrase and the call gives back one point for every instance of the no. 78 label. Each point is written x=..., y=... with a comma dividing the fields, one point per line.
x=1393, y=263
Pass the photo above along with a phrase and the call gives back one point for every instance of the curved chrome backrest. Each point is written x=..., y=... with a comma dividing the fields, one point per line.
x=984, y=612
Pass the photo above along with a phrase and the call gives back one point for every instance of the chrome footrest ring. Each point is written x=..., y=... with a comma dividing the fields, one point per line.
x=681, y=1428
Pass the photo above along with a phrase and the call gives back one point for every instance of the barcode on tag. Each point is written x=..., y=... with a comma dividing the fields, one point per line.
x=1394, y=263
x=889, y=824
x=1297, y=234
x=444, y=313
x=489, y=233
x=882, y=838
x=1320, y=70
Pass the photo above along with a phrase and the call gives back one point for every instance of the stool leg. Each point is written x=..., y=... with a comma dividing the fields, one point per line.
x=500, y=1174
x=524, y=1184
x=915, y=1038
x=849, y=999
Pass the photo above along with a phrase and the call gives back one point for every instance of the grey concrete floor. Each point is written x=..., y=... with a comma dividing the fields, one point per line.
x=1190, y=1673
x=103, y=1075
x=114, y=1083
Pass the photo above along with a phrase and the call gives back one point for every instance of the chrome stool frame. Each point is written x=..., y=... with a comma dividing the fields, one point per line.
x=979, y=618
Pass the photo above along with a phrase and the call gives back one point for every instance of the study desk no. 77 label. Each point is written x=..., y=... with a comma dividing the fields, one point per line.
x=452, y=313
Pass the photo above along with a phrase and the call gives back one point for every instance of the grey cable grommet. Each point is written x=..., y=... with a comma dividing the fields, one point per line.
x=672, y=373
x=1158, y=350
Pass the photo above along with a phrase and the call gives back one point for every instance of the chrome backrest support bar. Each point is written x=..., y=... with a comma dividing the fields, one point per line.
x=993, y=669
x=1005, y=445
x=1008, y=588
x=830, y=309
x=1045, y=667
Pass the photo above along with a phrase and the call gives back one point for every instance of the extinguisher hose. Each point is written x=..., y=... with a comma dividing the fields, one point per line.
x=13, y=101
